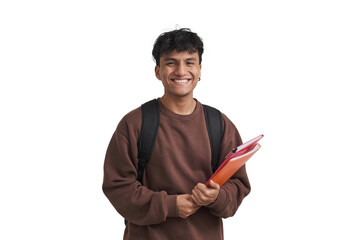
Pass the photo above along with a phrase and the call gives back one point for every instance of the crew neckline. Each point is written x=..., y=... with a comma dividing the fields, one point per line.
x=171, y=114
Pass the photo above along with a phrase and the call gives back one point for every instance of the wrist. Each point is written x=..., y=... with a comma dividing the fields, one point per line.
x=220, y=200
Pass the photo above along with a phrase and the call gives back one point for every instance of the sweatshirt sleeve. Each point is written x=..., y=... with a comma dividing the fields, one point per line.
x=238, y=186
x=135, y=202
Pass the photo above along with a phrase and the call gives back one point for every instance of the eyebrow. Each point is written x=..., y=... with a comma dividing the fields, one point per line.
x=173, y=59
x=169, y=59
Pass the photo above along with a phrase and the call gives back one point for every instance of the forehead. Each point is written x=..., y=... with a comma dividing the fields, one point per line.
x=184, y=55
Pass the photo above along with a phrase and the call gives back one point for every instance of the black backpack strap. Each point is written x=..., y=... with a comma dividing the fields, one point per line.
x=214, y=124
x=150, y=116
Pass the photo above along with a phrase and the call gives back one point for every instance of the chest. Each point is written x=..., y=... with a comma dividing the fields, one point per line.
x=181, y=156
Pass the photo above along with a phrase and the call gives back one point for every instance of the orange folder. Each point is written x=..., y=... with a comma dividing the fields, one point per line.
x=235, y=160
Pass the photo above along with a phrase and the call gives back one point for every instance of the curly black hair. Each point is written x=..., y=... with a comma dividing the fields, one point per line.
x=180, y=40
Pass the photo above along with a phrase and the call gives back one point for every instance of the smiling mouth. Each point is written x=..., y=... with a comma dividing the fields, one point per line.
x=180, y=80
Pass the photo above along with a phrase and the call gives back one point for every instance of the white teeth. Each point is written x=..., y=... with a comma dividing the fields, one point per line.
x=180, y=81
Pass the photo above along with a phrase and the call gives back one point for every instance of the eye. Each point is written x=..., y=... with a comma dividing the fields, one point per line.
x=190, y=63
x=170, y=63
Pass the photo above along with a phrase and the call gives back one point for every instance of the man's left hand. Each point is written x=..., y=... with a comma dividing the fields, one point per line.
x=203, y=195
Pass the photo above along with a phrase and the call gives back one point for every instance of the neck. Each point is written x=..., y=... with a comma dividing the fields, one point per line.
x=182, y=106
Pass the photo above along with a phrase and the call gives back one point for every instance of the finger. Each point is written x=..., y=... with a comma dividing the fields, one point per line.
x=193, y=199
x=207, y=192
x=201, y=188
x=196, y=197
x=214, y=185
x=200, y=197
x=194, y=202
x=188, y=196
x=198, y=191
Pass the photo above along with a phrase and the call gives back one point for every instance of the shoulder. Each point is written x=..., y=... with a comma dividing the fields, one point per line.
x=134, y=115
x=227, y=123
x=231, y=137
x=231, y=132
x=130, y=123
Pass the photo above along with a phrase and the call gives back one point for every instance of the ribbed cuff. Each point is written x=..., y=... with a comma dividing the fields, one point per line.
x=171, y=204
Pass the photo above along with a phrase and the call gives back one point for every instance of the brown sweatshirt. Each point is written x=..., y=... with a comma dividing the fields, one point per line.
x=181, y=158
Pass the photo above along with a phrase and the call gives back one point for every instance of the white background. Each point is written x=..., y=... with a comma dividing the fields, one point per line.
x=70, y=70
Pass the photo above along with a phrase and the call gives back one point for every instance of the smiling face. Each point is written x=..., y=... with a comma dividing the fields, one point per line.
x=179, y=73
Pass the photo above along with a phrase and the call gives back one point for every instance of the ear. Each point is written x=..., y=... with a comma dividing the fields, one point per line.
x=157, y=72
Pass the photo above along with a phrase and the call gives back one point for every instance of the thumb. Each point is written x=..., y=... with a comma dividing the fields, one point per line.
x=214, y=185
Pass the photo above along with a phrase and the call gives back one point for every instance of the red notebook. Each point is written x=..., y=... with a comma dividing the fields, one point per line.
x=235, y=160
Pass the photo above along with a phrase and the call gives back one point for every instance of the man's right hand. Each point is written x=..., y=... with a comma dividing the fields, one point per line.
x=186, y=205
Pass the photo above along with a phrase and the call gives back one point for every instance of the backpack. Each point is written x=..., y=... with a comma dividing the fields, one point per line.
x=150, y=118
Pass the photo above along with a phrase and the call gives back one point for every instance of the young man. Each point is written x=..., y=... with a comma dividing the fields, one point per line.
x=172, y=202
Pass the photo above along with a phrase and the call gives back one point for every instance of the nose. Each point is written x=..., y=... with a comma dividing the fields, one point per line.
x=180, y=69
